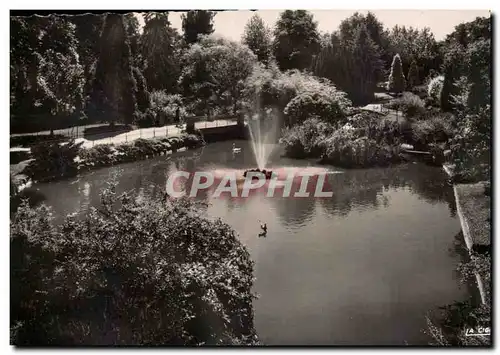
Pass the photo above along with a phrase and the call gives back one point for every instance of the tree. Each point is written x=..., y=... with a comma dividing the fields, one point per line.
x=142, y=93
x=196, y=23
x=349, y=28
x=129, y=271
x=113, y=89
x=46, y=69
x=296, y=40
x=132, y=28
x=257, y=36
x=353, y=65
x=161, y=68
x=413, y=79
x=214, y=74
x=415, y=45
x=397, y=81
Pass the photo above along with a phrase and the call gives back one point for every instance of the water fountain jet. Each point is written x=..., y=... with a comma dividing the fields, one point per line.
x=263, y=141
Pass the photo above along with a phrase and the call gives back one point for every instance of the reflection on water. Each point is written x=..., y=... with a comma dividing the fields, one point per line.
x=362, y=267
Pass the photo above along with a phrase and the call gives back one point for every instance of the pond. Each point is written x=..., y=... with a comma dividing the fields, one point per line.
x=362, y=267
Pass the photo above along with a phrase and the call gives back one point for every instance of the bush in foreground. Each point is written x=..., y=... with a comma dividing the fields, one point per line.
x=133, y=271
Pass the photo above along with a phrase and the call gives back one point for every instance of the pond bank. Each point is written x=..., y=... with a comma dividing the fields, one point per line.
x=25, y=172
x=473, y=210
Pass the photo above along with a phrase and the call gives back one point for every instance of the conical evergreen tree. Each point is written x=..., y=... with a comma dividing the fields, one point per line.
x=397, y=81
x=113, y=90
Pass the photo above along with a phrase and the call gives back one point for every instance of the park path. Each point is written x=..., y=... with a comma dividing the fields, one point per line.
x=147, y=133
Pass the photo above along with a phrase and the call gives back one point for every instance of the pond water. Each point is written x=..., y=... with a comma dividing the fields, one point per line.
x=360, y=268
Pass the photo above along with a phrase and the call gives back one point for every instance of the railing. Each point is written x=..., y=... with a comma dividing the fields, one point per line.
x=90, y=140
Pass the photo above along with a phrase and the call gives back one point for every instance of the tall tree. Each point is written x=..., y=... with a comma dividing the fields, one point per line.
x=113, y=89
x=415, y=45
x=462, y=47
x=214, y=74
x=161, y=67
x=46, y=68
x=413, y=79
x=352, y=64
x=367, y=66
x=296, y=40
x=132, y=28
x=349, y=27
x=88, y=31
x=196, y=23
x=397, y=81
x=258, y=37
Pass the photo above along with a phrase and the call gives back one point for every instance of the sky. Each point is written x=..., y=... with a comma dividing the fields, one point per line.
x=231, y=24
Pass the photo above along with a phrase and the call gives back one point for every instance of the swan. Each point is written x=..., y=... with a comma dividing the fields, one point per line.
x=263, y=226
x=236, y=150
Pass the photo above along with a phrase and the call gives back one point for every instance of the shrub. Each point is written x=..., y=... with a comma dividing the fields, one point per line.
x=268, y=88
x=97, y=156
x=345, y=149
x=146, y=119
x=53, y=160
x=411, y=105
x=129, y=272
x=306, y=105
x=435, y=87
x=436, y=129
x=305, y=140
x=30, y=140
x=365, y=141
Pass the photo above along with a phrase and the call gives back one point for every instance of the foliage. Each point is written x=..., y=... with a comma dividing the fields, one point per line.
x=468, y=53
x=161, y=52
x=47, y=78
x=348, y=31
x=413, y=79
x=109, y=154
x=88, y=28
x=258, y=37
x=417, y=45
x=470, y=98
x=214, y=74
x=135, y=270
x=142, y=93
x=269, y=88
x=397, y=81
x=296, y=39
x=30, y=140
x=134, y=37
x=113, y=89
x=167, y=107
x=353, y=65
x=53, y=160
x=435, y=87
x=410, y=104
x=365, y=141
x=196, y=23
x=471, y=147
x=450, y=327
x=313, y=104
x=436, y=129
